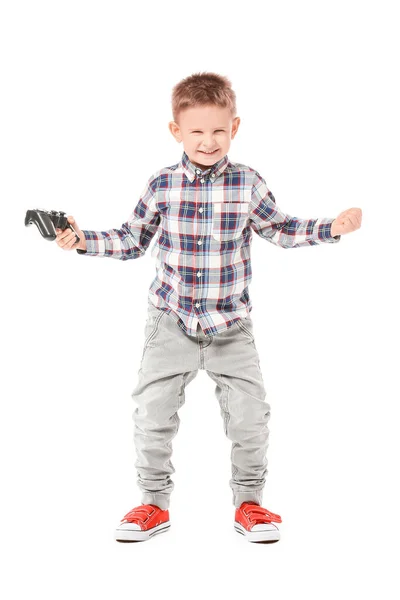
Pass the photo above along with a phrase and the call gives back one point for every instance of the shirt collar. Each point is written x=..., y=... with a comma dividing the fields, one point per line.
x=191, y=171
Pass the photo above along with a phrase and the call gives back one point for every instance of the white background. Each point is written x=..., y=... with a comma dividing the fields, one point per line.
x=85, y=105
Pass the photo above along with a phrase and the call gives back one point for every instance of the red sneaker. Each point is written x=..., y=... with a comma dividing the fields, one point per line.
x=257, y=523
x=142, y=523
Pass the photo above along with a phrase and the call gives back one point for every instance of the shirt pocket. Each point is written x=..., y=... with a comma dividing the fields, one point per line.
x=228, y=220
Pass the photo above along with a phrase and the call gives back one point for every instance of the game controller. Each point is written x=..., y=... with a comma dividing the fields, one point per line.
x=48, y=221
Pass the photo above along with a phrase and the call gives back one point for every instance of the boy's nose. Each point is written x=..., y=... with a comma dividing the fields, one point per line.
x=208, y=141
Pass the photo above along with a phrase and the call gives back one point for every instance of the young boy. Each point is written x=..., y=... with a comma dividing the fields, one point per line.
x=205, y=208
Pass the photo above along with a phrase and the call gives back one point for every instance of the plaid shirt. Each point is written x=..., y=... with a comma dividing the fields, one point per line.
x=205, y=219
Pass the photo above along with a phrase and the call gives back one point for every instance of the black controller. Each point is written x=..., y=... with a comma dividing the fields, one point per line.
x=47, y=222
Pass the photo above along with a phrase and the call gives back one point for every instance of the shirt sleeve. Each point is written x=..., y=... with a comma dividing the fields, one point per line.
x=279, y=228
x=134, y=236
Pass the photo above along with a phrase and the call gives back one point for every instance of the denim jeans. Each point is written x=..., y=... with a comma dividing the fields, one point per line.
x=170, y=361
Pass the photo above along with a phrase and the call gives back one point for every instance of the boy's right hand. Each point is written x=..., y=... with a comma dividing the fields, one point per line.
x=66, y=239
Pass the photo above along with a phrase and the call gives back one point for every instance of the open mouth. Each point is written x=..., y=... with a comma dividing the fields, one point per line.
x=209, y=153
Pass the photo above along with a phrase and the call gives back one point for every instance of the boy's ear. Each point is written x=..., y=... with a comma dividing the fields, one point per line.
x=175, y=130
x=235, y=126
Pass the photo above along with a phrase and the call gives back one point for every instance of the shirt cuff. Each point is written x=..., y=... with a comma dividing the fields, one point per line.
x=322, y=231
x=94, y=245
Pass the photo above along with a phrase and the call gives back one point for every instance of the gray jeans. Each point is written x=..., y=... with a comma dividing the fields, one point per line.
x=170, y=360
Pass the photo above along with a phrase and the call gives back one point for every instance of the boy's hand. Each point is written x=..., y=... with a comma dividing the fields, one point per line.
x=66, y=239
x=348, y=221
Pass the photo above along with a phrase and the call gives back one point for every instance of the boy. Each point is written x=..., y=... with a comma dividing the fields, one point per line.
x=206, y=208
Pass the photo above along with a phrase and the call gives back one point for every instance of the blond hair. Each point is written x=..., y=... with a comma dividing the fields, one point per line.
x=201, y=89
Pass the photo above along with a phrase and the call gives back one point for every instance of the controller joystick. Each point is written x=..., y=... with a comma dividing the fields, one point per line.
x=48, y=221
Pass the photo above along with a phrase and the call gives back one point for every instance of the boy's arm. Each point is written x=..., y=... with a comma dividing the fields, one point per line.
x=134, y=236
x=271, y=223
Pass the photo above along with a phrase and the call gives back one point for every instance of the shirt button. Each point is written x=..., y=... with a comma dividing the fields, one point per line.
x=200, y=210
x=199, y=242
x=198, y=274
x=197, y=305
x=198, y=171
x=202, y=180
x=212, y=174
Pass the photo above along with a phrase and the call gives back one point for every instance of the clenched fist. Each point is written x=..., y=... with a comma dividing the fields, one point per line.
x=66, y=239
x=349, y=220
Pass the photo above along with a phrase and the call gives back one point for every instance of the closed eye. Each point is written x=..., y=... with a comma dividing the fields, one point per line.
x=215, y=130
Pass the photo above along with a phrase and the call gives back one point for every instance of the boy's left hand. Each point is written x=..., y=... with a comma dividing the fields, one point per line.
x=349, y=220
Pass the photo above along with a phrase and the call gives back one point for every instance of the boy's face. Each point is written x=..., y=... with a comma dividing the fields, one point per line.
x=204, y=129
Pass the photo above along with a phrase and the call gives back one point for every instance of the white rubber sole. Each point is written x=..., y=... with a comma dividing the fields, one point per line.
x=135, y=535
x=270, y=535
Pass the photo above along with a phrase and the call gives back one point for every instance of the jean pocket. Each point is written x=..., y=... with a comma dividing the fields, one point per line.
x=152, y=324
x=228, y=220
x=247, y=327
